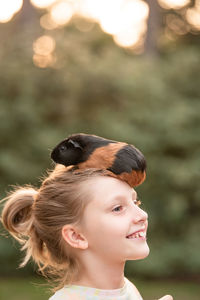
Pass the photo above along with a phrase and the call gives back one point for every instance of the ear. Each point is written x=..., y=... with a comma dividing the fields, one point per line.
x=73, y=237
x=74, y=144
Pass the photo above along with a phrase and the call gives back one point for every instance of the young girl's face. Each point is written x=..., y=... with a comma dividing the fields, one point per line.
x=110, y=217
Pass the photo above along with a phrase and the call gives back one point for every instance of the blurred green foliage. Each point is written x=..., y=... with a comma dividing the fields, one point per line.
x=96, y=87
x=23, y=289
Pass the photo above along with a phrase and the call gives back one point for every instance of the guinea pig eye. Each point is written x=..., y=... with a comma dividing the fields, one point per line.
x=63, y=148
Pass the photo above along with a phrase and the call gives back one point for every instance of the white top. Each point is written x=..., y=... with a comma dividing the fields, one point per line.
x=77, y=292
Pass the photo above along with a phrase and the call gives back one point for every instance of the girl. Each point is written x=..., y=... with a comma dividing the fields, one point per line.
x=80, y=228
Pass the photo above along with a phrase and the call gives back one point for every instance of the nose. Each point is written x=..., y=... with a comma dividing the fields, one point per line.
x=139, y=215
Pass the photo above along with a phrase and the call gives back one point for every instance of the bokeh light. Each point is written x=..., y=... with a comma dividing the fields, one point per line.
x=135, y=15
x=42, y=61
x=43, y=49
x=176, y=4
x=46, y=22
x=83, y=24
x=44, y=45
x=176, y=24
x=62, y=12
x=125, y=17
x=42, y=3
x=125, y=20
x=127, y=38
x=8, y=8
x=193, y=15
x=96, y=9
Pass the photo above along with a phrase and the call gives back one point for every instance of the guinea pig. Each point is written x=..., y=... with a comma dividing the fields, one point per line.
x=121, y=160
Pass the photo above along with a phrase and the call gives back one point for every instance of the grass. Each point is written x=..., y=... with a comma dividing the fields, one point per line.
x=31, y=289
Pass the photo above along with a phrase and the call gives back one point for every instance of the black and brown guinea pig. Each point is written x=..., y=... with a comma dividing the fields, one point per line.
x=83, y=151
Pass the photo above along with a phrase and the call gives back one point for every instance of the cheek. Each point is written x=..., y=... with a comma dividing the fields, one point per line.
x=118, y=228
x=109, y=230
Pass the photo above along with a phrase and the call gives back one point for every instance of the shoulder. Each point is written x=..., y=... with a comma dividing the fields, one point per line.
x=133, y=289
x=58, y=295
x=64, y=294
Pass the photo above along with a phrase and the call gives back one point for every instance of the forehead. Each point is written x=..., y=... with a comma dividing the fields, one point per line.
x=105, y=190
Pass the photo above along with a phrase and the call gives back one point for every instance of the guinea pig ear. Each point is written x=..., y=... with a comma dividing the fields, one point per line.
x=74, y=144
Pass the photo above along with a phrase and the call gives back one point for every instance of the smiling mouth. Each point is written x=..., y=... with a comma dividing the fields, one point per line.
x=136, y=235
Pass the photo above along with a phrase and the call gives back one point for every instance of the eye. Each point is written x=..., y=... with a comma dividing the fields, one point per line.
x=63, y=148
x=117, y=208
x=137, y=202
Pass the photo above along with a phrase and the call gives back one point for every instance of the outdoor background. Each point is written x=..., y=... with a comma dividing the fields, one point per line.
x=127, y=70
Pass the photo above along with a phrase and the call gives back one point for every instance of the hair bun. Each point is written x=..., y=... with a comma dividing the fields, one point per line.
x=16, y=214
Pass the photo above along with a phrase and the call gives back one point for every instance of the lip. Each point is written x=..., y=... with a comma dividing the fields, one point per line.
x=143, y=229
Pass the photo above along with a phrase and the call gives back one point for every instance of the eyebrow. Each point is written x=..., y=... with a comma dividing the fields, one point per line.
x=116, y=198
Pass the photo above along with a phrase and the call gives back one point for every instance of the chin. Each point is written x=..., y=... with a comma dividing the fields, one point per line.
x=143, y=254
x=140, y=254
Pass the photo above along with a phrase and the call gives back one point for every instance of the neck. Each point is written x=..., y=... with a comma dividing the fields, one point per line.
x=100, y=274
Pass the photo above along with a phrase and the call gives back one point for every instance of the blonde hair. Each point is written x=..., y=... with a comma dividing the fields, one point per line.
x=35, y=218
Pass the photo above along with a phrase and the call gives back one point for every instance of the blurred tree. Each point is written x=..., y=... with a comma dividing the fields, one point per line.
x=96, y=87
x=167, y=25
x=154, y=25
x=27, y=15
